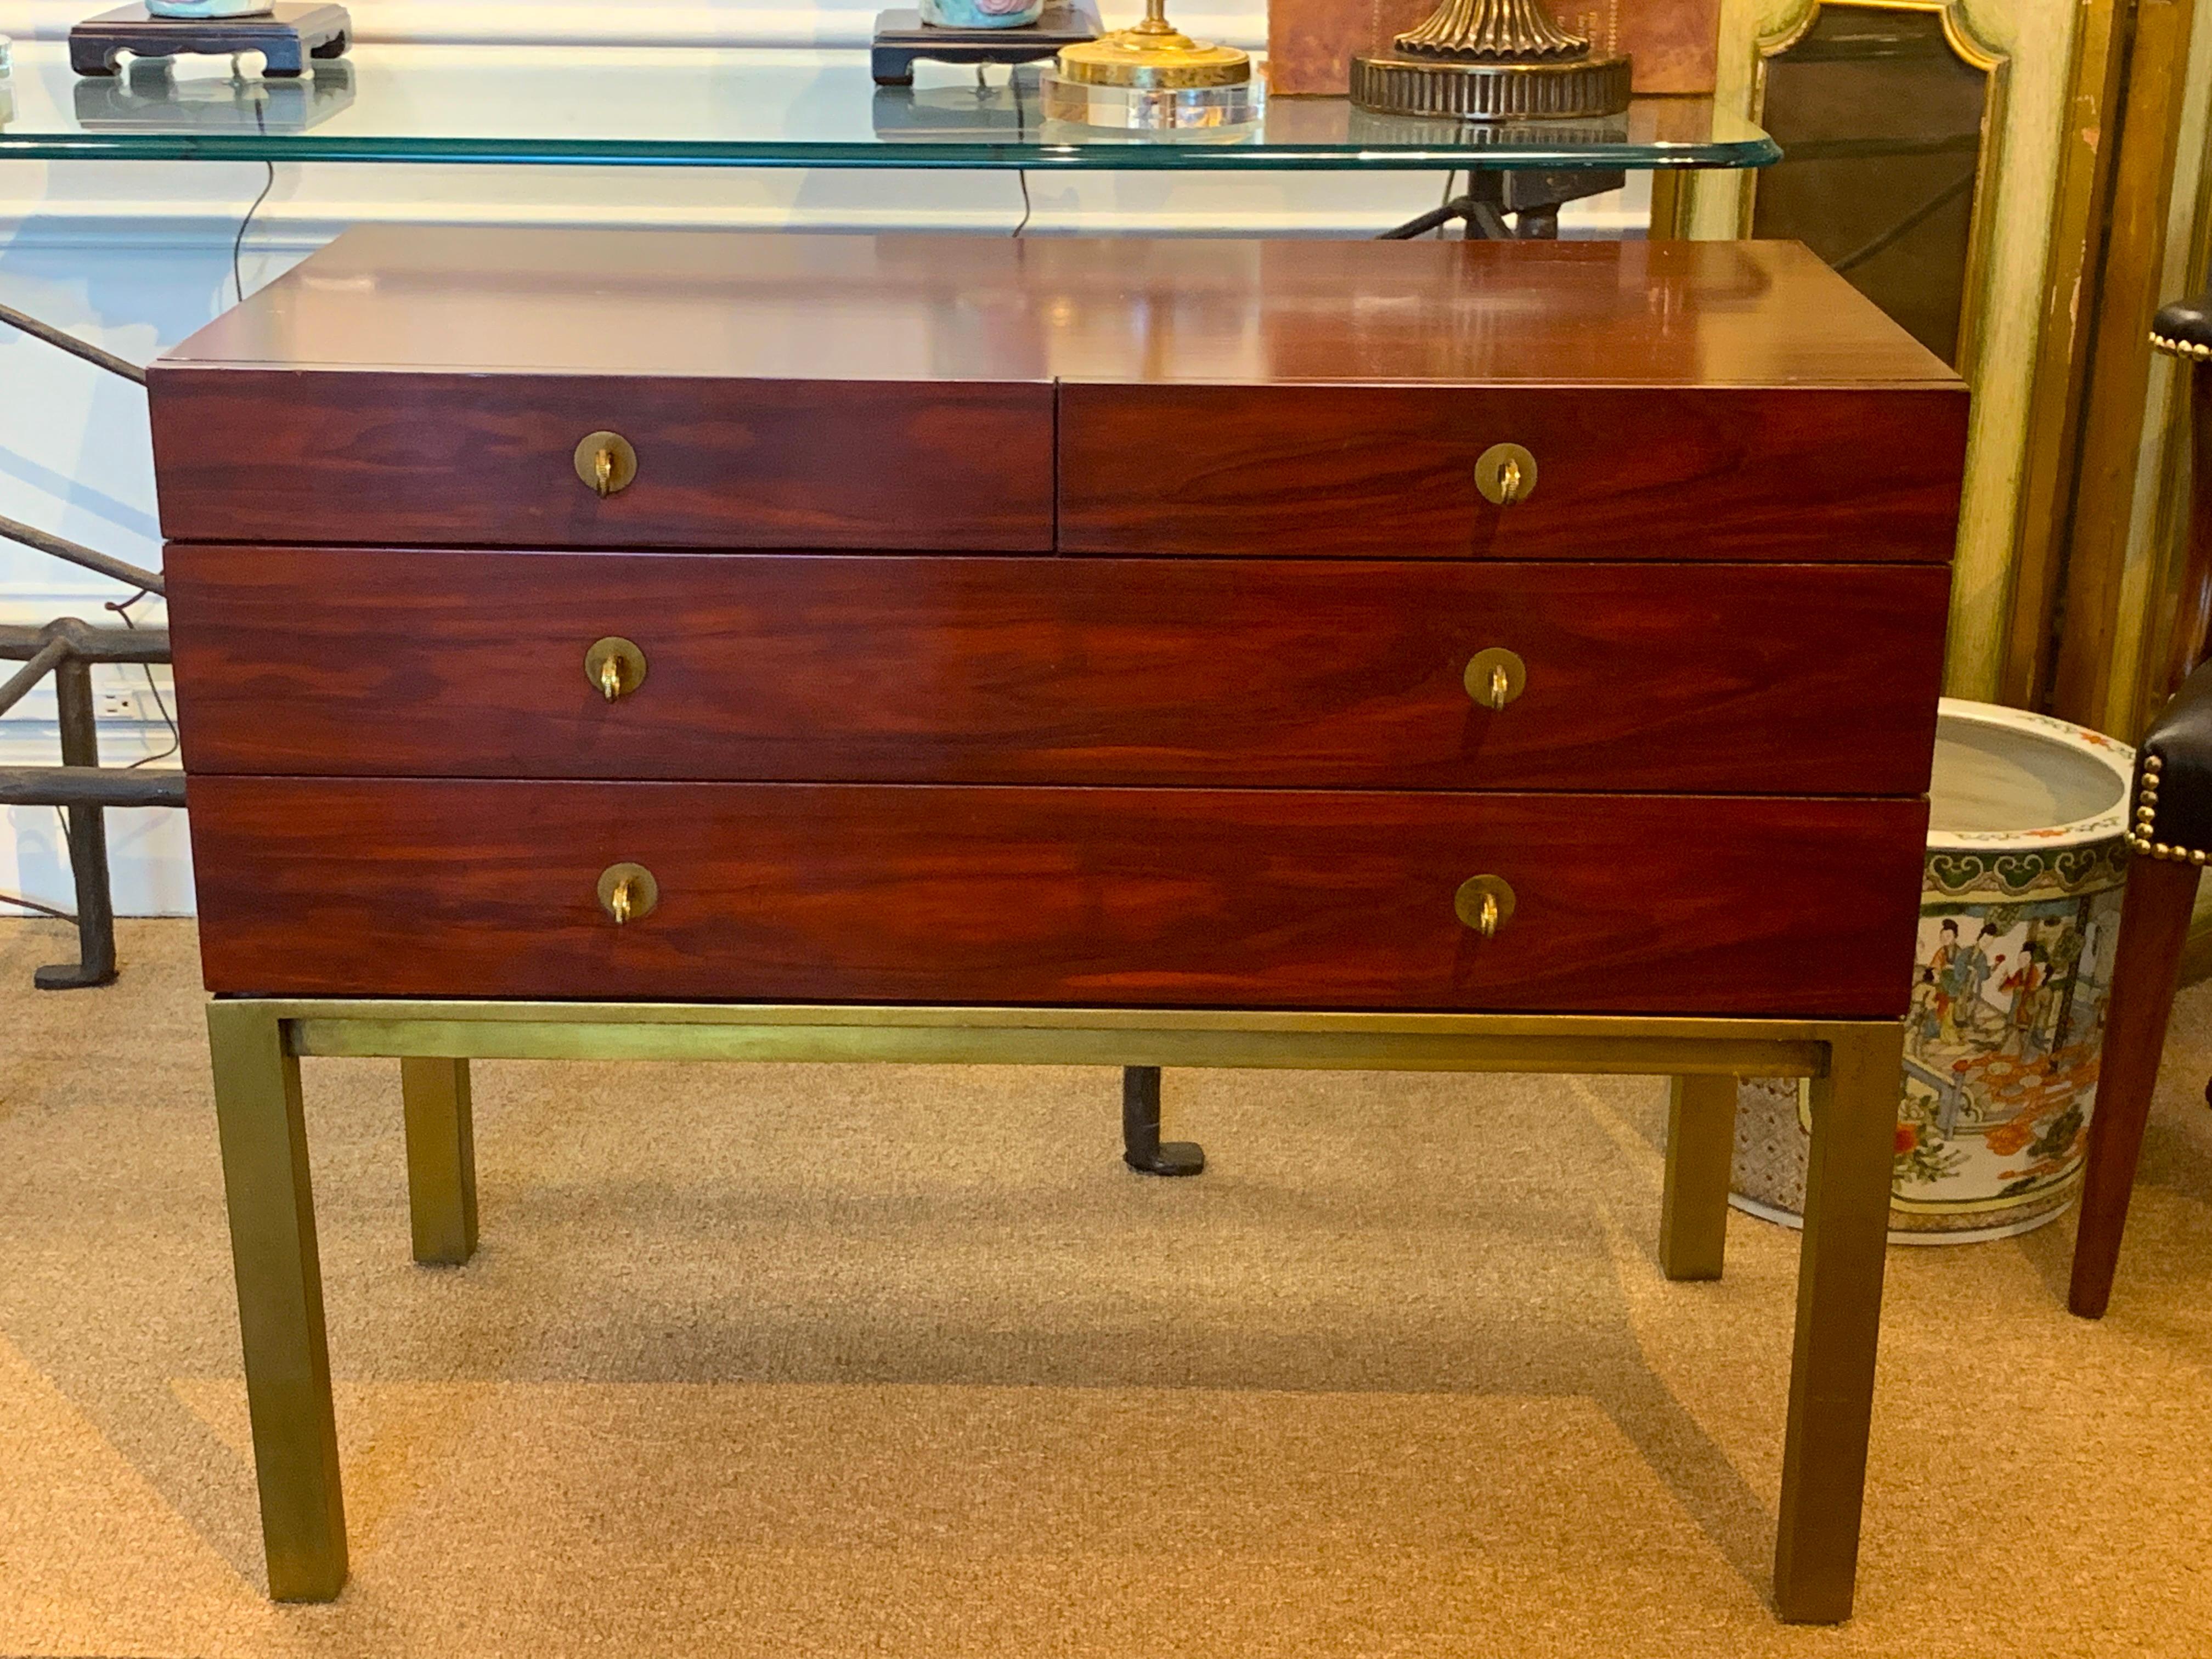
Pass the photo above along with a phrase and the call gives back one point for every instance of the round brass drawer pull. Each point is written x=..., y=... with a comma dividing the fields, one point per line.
x=605, y=461
x=628, y=892
x=616, y=667
x=1485, y=903
x=1505, y=473
x=1496, y=677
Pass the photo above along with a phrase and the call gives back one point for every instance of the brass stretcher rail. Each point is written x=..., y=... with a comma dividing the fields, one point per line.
x=1853, y=1066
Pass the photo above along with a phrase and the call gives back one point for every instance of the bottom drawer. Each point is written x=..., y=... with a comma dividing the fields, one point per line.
x=920, y=893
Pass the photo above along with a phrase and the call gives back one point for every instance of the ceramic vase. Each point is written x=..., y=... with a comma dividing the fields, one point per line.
x=204, y=9
x=2019, y=909
x=981, y=13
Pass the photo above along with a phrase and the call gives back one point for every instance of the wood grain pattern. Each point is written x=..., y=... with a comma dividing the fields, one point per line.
x=832, y=668
x=1253, y=898
x=1733, y=473
x=770, y=305
x=315, y=456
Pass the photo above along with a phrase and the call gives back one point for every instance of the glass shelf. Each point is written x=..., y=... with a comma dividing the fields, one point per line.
x=670, y=107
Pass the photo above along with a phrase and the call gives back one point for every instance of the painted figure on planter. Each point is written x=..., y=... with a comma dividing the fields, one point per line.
x=2012, y=972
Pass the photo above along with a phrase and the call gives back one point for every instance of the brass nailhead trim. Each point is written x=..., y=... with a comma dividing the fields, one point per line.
x=2180, y=347
x=2139, y=841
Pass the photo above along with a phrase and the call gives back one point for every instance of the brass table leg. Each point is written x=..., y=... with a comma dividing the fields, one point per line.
x=1840, y=1272
x=280, y=1301
x=441, y=1160
x=1700, y=1152
x=1853, y=1065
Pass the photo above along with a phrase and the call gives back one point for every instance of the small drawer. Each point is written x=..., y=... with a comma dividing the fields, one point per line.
x=1402, y=471
x=781, y=667
x=578, y=460
x=1244, y=898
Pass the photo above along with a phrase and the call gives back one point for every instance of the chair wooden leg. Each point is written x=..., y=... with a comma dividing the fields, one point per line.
x=2146, y=965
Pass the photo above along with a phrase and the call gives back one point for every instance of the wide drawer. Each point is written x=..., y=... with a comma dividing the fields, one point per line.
x=305, y=455
x=1257, y=898
x=1391, y=472
x=1777, y=680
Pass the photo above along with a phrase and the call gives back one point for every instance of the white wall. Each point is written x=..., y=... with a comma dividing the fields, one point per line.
x=136, y=256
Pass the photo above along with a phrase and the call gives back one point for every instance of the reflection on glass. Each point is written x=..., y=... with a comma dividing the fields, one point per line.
x=150, y=94
x=744, y=108
x=1879, y=122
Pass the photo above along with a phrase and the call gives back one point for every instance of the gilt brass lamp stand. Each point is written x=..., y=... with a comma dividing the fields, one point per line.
x=1490, y=60
x=1152, y=75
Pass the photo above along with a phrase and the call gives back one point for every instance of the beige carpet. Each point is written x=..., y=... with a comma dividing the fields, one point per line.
x=839, y=1361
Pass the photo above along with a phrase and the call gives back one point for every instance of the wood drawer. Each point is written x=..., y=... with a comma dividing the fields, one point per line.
x=1388, y=471
x=307, y=455
x=1773, y=679
x=1253, y=898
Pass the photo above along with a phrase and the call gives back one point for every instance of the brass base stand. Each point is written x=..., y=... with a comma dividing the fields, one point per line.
x=1490, y=60
x=1400, y=83
x=1854, y=1065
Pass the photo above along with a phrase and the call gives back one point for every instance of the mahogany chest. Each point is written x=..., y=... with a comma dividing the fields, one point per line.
x=1407, y=626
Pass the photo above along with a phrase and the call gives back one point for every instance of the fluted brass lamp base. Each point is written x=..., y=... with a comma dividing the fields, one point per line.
x=1402, y=83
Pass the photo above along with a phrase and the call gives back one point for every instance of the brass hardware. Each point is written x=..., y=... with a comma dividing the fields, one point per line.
x=628, y=892
x=605, y=461
x=615, y=666
x=1154, y=55
x=1495, y=676
x=1485, y=903
x=1505, y=473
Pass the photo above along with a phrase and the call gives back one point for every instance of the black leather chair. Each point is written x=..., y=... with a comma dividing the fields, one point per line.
x=2171, y=839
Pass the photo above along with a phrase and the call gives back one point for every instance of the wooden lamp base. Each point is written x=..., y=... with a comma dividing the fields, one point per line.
x=286, y=36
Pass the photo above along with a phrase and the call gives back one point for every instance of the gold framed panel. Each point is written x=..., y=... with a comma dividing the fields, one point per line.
x=2021, y=229
x=1995, y=66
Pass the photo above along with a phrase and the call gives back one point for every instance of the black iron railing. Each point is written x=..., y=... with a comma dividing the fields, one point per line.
x=67, y=648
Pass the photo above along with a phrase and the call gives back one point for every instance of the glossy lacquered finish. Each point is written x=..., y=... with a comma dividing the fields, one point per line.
x=292, y=455
x=724, y=305
x=1247, y=898
x=1264, y=672
x=1727, y=473
x=1683, y=400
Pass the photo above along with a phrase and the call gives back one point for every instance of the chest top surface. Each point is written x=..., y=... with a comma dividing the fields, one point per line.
x=768, y=305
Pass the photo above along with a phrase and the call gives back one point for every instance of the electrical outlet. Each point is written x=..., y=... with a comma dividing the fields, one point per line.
x=125, y=705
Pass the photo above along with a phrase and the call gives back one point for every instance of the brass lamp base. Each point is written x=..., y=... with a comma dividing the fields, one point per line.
x=1153, y=57
x=1399, y=83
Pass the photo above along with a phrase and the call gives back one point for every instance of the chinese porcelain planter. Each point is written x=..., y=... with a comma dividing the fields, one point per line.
x=2019, y=908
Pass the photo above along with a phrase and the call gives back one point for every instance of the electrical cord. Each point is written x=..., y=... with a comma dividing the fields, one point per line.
x=176, y=737
x=1020, y=128
x=238, y=242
